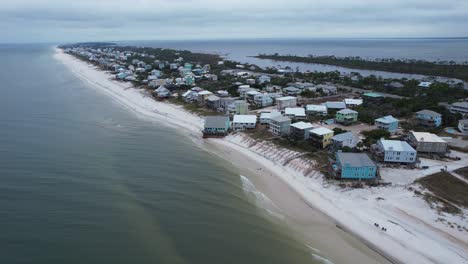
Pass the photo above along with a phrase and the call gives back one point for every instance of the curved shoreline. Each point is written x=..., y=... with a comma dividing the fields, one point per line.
x=313, y=193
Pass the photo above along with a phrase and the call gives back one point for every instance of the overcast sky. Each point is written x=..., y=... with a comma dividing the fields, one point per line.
x=97, y=20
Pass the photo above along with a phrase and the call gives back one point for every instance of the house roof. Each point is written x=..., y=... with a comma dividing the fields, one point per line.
x=347, y=111
x=353, y=101
x=321, y=131
x=216, y=121
x=316, y=108
x=387, y=119
x=245, y=119
x=343, y=136
x=460, y=104
x=296, y=111
x=395, y=145
x=269, y=114
x=280, y=118
x=424, y=84
x=373, y=95
x=426, y=137
x=428, y=112
x=354, y=159
x=286, y=98
x=302, y=125
x=204, y=93
x=335, y=105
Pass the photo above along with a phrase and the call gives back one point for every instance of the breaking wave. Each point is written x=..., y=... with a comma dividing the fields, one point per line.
x=260, y=199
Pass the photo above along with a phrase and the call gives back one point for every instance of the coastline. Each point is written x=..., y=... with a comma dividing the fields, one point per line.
x=423, y=243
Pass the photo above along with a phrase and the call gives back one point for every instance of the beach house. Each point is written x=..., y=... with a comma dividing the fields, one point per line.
x=463, y=126
x=312, y=109
x=263, y=100
x=428, y=118
x=216, y=126
x=352, y=103
x=460, y=107
x=265, y=117
x=387, y=123
x=354, y=166
x=300, y=130
x=287, y=101
x=238, y=107
x=297, y=113
x=202, y=96
x=280, y=125
x=346, y=117
x=427, y=142
x=213, y=102
x=395, y=151
x=243, y=122
x=264, y=79
x=320, y=136
x=347, y=139
x=372, y=98
x=334, y=105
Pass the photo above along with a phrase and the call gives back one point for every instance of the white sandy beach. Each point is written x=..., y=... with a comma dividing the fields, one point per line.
x=414, y=232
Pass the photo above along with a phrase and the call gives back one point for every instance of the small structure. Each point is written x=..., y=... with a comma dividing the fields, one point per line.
x=300, y=130
x=354, y=166
x=297, y=113
x=395, y=151
x=428, y=118
x=287, y=101
x=424, y=84
x=280, y=125
x=427, y=142
x=463, y=126
x=346, y=117
x=316, y=110
x=320, y=136
x=387, y=123
x=216, y=126
x=243, y=122
x=346, y=139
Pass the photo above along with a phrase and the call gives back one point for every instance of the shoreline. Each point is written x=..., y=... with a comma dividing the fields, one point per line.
x=310, y=188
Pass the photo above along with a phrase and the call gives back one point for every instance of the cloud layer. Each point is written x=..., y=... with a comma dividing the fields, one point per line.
x=83, y=20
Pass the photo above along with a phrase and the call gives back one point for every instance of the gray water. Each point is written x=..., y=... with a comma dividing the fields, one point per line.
x=84, y=181
x=449, y=49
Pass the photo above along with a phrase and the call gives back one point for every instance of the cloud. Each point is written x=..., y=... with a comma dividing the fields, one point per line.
x=59, y=20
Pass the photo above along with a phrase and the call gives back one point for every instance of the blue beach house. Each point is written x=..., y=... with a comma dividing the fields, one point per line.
x=354, y=166
x=387, y=123
x=429, y=118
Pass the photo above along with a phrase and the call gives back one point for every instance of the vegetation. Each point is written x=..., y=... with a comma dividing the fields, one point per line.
x=446, y=69
x=463, y=172
x=373, y=136
x=447, y=190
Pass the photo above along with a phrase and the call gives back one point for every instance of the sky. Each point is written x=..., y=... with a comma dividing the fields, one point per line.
x=108, y=20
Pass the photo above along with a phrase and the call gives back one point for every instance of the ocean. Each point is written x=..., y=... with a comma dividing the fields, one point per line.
x=82, y=180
